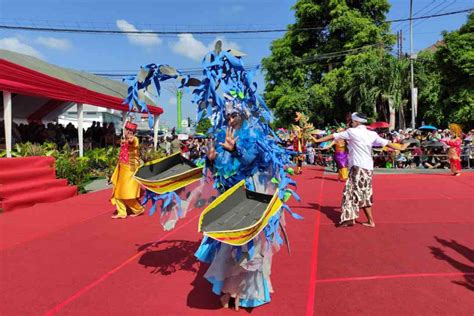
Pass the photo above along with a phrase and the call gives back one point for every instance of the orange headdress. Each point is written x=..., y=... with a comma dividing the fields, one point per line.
x=456, y=129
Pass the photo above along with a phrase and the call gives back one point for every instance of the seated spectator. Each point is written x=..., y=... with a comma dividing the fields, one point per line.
x=409, y=164
x=16, y=135
x=388, y=162
x=431, y=161
x=175, y=144
x=401, y=160
x=185, y=150
x=416, y=153
x=437, y=135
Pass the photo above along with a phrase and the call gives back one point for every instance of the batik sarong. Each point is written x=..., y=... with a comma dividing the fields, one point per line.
x=357, y=193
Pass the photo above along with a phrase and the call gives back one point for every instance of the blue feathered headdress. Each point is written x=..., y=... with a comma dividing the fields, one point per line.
x=149, y=76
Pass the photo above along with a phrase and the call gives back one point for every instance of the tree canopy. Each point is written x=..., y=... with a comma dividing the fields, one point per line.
x=309, y=65
x=337, y=58
x=445, y=79
x=455, y=60
x=203, y=126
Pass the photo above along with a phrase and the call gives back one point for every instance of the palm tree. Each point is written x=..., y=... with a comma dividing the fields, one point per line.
x=394, y=74
x=377, y=78
x=363, y=88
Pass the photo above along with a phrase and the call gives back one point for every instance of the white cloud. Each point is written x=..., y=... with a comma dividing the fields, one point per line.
x=138, y=39
x=54, y=43
x=15, y=45
x=190, y=47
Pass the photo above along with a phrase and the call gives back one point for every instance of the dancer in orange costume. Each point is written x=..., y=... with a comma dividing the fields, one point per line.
x=454, y=151
x=126, y=193
x=300, y=147
x=301, y=134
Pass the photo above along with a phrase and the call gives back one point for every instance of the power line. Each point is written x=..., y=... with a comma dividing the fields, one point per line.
x=109, y=25
x=443, y=8
x=404, y=24
x=250, y=66
x=308, y=60
x=249, y=31
x=406, y=27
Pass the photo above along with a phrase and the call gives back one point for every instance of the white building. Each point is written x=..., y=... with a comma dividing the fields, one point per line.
x=91, y=114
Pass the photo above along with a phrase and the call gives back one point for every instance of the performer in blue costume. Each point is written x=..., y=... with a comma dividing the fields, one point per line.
x=237, y=151
x=241, y=272
x=245, y=147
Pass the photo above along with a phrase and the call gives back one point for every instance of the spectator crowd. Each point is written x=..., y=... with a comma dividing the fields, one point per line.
x=426, y=150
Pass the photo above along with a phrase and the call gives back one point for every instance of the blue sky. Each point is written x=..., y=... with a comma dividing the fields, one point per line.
x=120, y=53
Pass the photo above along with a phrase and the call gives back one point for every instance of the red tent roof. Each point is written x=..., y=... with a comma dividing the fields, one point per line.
x=17, y=78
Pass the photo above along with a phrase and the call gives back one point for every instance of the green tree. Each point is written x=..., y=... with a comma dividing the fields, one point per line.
x=303, y=72
x=395, y=87
x=376, y=84
x=444, y=78
x=455, y=59
x=428, y=81
x=203, y=126
x=362, y=85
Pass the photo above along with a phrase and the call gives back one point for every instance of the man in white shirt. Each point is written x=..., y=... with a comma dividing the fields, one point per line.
x=358, y=190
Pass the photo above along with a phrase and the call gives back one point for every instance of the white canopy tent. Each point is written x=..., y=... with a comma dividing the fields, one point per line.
x=34, y=90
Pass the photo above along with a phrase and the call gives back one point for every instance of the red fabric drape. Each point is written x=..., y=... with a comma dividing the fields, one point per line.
x=51, y=105
x=18, y=79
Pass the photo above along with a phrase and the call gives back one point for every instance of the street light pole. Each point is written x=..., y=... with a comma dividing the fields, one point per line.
x=412, y=80
x=179, y=99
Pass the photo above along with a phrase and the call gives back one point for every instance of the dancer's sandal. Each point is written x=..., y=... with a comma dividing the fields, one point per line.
x=236, y=304
x=225, y=300
x=116, y=216
x=137, y=214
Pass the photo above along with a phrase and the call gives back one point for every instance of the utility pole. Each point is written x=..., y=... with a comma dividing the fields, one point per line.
x=398, y=44
x=401, y=111
x=179, y=98
x=401, y=44
x=412, y=79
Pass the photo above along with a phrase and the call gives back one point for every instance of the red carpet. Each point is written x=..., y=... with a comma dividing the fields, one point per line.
x=70, y=258
x=42, y=219
x=30, y=180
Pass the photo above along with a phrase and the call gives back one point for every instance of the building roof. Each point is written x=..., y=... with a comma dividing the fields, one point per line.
x=435, y=46
x=70, y=85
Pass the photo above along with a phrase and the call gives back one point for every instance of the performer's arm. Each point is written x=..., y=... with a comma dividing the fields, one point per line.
x=397, y=146
x=336, y=136
x=323, y=139
x=244, y=151
x=451, y=142
x=246, y=154
x=211, y=152
x=328, y=146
